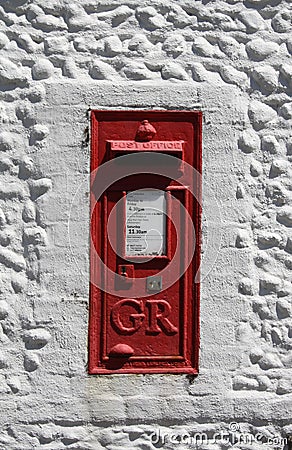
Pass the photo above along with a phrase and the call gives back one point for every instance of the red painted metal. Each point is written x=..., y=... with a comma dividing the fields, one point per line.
x=159, y=332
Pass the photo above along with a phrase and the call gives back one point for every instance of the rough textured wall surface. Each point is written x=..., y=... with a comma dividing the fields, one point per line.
x=60, y=58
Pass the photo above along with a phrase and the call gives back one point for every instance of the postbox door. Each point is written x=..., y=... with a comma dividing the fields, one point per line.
x=145, y=319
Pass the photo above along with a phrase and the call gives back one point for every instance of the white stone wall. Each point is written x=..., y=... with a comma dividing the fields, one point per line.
x=59, y=59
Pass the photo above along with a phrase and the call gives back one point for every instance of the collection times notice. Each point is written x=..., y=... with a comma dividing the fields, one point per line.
x=145, y=222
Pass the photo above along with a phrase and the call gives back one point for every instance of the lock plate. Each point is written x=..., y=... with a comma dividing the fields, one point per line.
x=154, y=284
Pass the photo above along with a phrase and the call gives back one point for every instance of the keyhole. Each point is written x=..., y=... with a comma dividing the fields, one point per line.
x=124, y=273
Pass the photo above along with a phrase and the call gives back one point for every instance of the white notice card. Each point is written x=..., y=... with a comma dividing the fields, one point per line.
x=145, y=222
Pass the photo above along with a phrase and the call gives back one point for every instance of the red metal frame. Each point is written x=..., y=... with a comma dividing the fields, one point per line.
x=98, y=332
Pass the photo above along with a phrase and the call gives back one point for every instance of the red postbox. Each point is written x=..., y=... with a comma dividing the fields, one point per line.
x=145, y=241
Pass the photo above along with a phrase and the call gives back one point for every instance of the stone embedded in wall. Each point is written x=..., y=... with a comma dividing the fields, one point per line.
x=260, y=114
x=8, y=19
x=243, y=239
x=35, y=235
x=12, y=259
x=288, y=247
x=42, y=69
x=153, y=65
x=69, y=68
x=4, y=309
x=10, y=73
x=36, y=93
x=266, y=77
x=284, y=216
x=277, y=193
x=32, y=258
x=249, y=141
x=256, y=168
x=39, y=187
x=110, y=46
x=31, y=362
x=36, y=338
x=174, y=45
x=3, y=361
x=3, y=40
x=284, y=386
x=270, y=144
x=14, y=384
x=67, y=436
x=116, y=15
x=270, y=361
x=261, y=307
x=252, y=20
x=180, y=18
x=29, y=211
x=6, y=237
x=6, y=164
x=276, y=336
x=287, y=359
x=289, y=44
x=38, y=133
x=245, y=333
x=100, y=70
x=231, y=47
x=18, y=282
x=265, y=383
x=281, y=22
x=140, y=44
x=26, y=167
x=46, y=22
x=84, y=44
x=283, y=309
x=240, y=192
x=24, y=112
x=285, y=290
x=259, y=49
x=266, y=316
x=2, y=218
x=56, y=45
x=149, y=18
x=286, y=111
x=202, y=47
x=173, y=70
x=246, y=286
x=3, y=115
x=25, y=41
x=286, y=72
x=77, y=19
x=137, y=71
x=267, y=239
x=288, y=263
x=279, y=167
x=269, y=284
x=7, y=142
x=199, y=73
x=241, y=382
x=230, y=75
x=13, y=190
